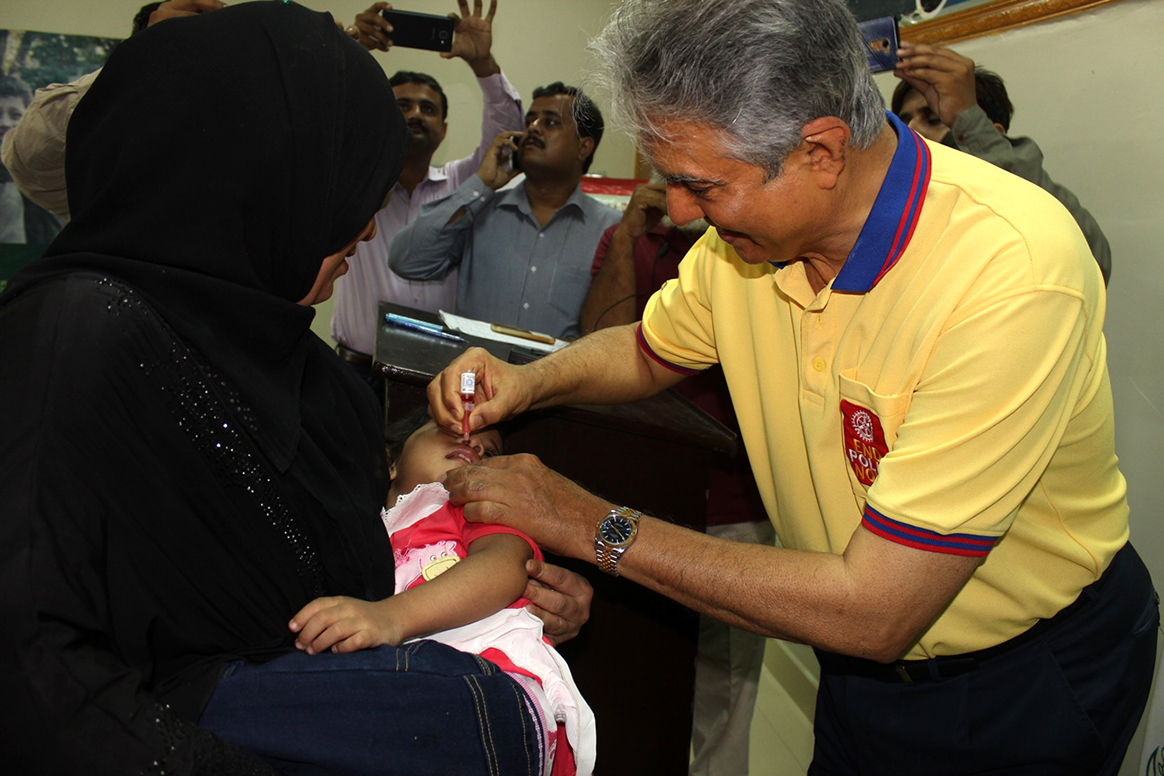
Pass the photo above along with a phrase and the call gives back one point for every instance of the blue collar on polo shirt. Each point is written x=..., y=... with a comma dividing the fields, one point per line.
x=894, y=216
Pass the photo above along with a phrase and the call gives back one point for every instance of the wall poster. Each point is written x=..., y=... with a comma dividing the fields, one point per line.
x=28, y=61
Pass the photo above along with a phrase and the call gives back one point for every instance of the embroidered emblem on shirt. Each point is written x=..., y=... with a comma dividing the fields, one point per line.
x=864, y=441
x=422, y=564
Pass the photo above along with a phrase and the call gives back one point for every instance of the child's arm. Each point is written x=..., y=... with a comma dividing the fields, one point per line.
x=489, y=579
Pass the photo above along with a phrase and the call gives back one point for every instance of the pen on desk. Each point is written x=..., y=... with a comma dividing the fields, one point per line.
x=407, y=322
x=423, y=327
x=514, y=331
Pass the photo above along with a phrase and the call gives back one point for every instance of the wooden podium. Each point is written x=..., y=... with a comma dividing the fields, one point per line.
x=635, y=659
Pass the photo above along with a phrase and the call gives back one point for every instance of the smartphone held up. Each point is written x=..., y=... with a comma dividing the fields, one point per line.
x=881, y=42
x=420, y=30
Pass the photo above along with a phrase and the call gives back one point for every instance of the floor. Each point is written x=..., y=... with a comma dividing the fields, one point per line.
x=781, y=742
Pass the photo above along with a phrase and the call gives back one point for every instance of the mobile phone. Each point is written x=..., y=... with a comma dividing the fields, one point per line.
x=881, y=42
x=513, y=162
x=420, y=30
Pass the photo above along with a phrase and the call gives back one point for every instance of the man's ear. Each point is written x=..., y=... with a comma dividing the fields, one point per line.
x=825, y=142
x=392, y=471
x=585, y=148
x=444, y=131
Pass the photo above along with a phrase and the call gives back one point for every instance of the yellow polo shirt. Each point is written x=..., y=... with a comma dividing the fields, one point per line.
x=948, y=390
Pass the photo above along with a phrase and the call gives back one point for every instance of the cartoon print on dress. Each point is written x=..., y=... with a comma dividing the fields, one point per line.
x=425, y=563
x=864, y=441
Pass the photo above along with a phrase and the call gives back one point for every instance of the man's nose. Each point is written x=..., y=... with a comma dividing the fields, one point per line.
x=681, y=205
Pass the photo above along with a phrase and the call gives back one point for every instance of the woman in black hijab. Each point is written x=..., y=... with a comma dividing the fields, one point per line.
x=185, y=465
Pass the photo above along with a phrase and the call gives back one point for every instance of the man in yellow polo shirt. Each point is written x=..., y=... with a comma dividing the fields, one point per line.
x=913, y=342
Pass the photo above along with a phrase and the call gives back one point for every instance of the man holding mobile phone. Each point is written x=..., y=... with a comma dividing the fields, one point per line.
x=420, y=97
x=523, y=254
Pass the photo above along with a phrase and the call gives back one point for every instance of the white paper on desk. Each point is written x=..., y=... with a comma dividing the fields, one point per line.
x=482, y=329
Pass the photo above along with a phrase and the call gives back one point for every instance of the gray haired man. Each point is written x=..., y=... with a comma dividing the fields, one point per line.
x=913, y=343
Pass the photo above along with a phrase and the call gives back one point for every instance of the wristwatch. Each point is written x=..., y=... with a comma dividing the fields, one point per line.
x=615, y=532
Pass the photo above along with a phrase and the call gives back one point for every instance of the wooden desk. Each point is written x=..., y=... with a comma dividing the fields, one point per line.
x=635, y=659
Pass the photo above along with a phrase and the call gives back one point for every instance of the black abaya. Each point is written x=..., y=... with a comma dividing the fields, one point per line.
x=184, y=463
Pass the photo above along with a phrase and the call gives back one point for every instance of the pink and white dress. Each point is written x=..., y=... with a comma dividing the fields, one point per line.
x=429, y=535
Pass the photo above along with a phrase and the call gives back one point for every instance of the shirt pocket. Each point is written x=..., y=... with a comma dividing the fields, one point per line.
x=568, y=290
x=870, y=422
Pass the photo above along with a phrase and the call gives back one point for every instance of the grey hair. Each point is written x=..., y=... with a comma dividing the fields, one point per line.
x=756, y=70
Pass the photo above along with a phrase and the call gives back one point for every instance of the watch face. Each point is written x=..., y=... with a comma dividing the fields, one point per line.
x=616, y=529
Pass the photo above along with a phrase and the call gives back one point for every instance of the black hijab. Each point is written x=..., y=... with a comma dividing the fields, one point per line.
x=219, y=203
x=215, y=162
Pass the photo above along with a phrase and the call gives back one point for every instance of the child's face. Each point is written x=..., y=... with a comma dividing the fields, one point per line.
x=430, y=453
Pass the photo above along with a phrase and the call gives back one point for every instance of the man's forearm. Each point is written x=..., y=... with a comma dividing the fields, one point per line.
x=848, y=603
x=606, y=367
x=430, y=246
x=611, y=299
x=484, y=67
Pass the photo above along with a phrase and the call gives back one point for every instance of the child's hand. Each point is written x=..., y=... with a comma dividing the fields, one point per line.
x=344, y=624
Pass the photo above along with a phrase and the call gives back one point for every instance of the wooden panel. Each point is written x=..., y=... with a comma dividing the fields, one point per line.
x=991, y=17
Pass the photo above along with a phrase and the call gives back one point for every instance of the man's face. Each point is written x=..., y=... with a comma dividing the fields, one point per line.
x=551, y=142
x=763, y=220
x=421, y=106
x=11, y=109
x=431, y=452
x=918, y=116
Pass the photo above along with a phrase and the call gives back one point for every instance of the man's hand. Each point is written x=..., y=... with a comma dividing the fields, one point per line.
x=473, y=38
x=614, y=293
x=647, y=206
x=494, y=172
x=344, y=624
x=559, y=598
x=501, y=394
x=175, y=8
x=943, y=77
x=521, y=492
x=371, y=30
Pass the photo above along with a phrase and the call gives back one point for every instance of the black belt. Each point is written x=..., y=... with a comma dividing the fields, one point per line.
x=354, y=356
x=944, y=667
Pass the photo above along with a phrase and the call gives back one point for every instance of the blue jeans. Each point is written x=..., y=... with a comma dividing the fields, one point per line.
x=418, y=709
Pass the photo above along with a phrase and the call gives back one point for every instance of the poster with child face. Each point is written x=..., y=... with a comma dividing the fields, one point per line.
x=28, y=61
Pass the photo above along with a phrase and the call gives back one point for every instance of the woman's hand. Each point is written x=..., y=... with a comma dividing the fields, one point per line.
x=560, y=598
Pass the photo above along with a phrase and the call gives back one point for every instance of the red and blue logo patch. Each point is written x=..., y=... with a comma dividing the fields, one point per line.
x=865, y=444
